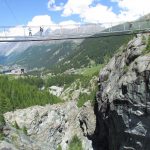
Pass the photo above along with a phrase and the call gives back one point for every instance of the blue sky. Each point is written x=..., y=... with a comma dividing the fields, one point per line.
x=32, y=12
x=13, y=12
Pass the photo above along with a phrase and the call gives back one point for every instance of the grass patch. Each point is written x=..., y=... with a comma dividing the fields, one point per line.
x=148, y=45
x=75, y=143
x=125, y=69
x=84, y=97
x=144, y=40
x=92, y=71
x=16, y=125
x=14, y=138
x=2, y=123
x=24, y=129
x=147, y=49
x=1, y=136
x=59, y=147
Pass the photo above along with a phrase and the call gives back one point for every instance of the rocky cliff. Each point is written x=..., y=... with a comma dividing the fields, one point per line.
x=123, y=100
x=47, y=127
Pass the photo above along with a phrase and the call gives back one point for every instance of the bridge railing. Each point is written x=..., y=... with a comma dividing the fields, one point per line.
x=72, y=30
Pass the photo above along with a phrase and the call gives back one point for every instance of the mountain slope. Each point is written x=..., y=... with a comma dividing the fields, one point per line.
x=44, y=55
x=65, y=55
x=93, y=51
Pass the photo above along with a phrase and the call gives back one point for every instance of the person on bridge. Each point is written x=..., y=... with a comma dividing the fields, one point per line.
x=130, y=25
x=30, y=32
x=41, y=31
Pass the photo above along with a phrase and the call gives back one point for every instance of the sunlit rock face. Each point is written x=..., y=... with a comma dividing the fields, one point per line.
x=49, y=126
x=123, y=100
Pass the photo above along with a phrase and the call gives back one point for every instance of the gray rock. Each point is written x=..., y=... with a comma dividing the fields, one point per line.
x=6, y=146
x=123, y=114
x=87, y=119
x=47, y=127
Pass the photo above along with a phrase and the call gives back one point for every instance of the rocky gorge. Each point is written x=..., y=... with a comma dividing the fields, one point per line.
x=119, y=119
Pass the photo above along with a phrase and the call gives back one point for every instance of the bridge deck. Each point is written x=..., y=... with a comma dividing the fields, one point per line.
x=76, y=31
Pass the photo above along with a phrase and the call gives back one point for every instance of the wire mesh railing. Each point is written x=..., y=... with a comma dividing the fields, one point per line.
x=71, y=30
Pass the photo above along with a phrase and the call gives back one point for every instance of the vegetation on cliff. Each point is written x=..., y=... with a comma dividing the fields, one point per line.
x=75, y=143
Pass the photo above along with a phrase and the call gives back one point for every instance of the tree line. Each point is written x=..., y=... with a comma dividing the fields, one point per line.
x=23, y=93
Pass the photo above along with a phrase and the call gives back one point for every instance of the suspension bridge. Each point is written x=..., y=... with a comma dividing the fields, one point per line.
x=74, y=31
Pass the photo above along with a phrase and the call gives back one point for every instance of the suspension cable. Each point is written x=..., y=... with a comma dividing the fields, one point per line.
x=11, y=11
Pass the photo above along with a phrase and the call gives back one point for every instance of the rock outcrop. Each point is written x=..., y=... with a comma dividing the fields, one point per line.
x=123, y=100
x=46, y=127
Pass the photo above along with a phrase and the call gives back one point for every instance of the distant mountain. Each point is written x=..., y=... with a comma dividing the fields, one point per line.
x=92, y=51
x=45, y=55
x=2, y=59
x=64, y=55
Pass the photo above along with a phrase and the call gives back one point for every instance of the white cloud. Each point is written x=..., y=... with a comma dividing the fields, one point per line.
x=88, y=13
x=69, y=24
x=34, y=24
x=40, y=20
x=13, y=31
x=133, y=8
x=52, y=6
x=99, y=13
x=129, y=10
x=37, y=21
x=76, y=7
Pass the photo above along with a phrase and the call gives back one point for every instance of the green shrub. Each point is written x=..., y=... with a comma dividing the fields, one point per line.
x=59, y=147
x=2, y=123
x=143, y=39
x=84, y=97
x=147, y=49
x=1, y=136
x=75, y=143
x=125, y=69
x=16, y=125
x=148, y=45
x=14, y=138
x=62, y=79
x=24, y=129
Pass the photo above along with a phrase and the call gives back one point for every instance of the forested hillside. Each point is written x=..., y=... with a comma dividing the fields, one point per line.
x=93, y=51
x=62, y=56
x=22, y=93
x=43, y=56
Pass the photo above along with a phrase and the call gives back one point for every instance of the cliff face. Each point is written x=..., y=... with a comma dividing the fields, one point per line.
x=123, y=100
x=47, y=127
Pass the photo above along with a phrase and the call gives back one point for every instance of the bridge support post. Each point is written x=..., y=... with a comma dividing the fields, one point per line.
x=124, y=27
x=5, y=33
x=24, y=32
